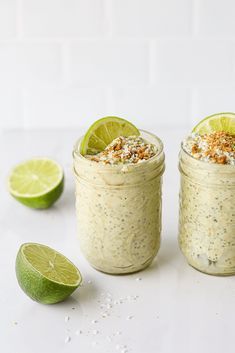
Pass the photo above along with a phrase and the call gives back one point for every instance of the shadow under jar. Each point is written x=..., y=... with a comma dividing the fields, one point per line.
x=207, y=215
x=119, y=210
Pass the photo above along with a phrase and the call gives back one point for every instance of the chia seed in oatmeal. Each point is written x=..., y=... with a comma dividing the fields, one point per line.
x=217, y=147
x=119, y=204
x=207, y=202
x=125, y=150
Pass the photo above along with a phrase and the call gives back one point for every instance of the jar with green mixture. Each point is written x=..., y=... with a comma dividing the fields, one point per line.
x=207, y=202
x=118, y=201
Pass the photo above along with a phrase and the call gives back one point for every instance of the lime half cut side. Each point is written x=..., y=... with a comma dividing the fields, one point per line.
x=36, y=183
x=44, y=274
x=104, y=131
x=217, y=122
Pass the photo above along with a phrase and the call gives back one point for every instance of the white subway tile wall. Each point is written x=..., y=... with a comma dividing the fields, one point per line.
x=8, y=19
x=65, y=63
x=64, y=18
x=109, y=62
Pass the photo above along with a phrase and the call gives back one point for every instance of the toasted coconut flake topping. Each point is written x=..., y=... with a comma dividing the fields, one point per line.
x=217, y=147
x=125, y=150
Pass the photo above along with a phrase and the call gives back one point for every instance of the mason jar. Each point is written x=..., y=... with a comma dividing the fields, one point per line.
x=207, y=215
x=119, y=210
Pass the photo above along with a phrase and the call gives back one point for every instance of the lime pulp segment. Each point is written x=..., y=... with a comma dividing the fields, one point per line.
x=51, y=264
x=35, y=177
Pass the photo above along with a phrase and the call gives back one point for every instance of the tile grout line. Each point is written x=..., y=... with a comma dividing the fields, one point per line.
x=152, y=61
x=194, y=14
x=19, y=20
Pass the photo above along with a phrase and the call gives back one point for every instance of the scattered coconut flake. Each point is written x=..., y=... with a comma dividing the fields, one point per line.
x=67, y=339
x=120, y=301
x=129, y=317
x=138, y=279
x=95, y=332
x=78, y=332
x=94, y=321
x=67, y=318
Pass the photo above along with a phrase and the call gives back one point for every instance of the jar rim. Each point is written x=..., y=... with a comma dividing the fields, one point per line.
x=109, y=167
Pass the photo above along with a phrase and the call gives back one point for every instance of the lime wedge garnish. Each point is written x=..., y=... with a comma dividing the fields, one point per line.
x=217, y=122
x=104, y=131
x=44, y=274
x=36, y=183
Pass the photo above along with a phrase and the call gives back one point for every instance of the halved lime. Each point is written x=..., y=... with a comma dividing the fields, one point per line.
x=44, y=274
x=104, y=131
x=36, y=183
x=216, y=122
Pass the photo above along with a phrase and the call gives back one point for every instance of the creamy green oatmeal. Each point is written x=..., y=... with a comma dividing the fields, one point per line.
x=207, y=202
x=118, y=202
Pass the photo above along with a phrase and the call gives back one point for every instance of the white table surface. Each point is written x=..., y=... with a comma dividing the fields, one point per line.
x=173, y=308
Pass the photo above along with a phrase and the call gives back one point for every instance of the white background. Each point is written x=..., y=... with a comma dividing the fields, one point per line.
x=66, y=63
x=163, y=64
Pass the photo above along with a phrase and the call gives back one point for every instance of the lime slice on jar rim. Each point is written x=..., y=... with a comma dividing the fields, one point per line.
x=216, y=122
x=103, y=131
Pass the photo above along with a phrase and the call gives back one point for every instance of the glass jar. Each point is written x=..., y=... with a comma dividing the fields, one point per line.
x=207, y=215
x=119, y=210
